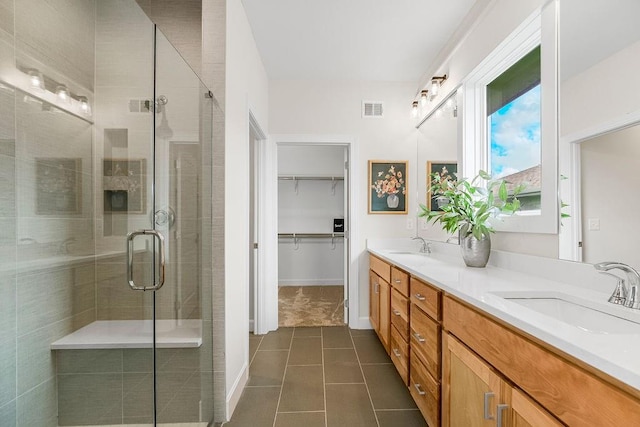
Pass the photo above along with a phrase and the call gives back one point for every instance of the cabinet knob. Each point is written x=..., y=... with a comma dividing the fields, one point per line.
x=420, y=297
x=396, y=312
x=419, y=388
x=398, y=281
x=419, y=338
x=396, y=353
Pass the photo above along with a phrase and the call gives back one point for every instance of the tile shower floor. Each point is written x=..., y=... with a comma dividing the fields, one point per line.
x=323, y=377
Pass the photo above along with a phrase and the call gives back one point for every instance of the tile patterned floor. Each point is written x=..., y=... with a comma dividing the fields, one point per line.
x=323, y=377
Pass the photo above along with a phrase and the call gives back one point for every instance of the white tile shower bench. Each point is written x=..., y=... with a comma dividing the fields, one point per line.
x=113, y=334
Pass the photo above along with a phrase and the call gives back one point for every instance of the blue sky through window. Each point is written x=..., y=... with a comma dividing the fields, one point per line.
x=514, y=130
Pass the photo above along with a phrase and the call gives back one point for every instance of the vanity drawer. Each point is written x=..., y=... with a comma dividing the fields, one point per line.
x=428, y=298
x=400, y=281
x=400, y=313
x=425, y=391
x=425, y=340
x=380, y=267
x=400, y=354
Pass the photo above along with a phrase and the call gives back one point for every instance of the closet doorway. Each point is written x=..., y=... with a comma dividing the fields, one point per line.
x=313, y=200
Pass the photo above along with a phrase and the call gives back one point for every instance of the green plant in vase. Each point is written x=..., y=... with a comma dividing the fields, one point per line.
x=469, y=207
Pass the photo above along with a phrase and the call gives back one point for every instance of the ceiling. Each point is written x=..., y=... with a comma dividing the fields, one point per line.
x=371, y=40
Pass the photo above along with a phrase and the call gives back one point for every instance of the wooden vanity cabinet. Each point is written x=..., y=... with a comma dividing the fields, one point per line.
x=425, y=348
x=380, y=299
x=538, y=384
x=476, y=395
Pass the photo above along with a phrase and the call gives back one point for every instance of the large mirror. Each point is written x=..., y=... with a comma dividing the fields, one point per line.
x=599, y=129
x=438, y=150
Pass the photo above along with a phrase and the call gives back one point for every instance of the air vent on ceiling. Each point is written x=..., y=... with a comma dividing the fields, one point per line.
x=371, y=109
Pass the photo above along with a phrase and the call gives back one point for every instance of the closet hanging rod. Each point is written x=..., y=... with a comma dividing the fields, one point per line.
x=310, y=178
x=310, y=235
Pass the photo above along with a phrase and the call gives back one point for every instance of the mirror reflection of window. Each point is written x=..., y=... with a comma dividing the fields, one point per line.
x=514, y=128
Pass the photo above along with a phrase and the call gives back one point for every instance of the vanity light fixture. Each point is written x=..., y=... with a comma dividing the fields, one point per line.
x=424, y=97
x=36, y=80
x=414, y=109
x=436, y=81
x=84, y=105
x=63, y=94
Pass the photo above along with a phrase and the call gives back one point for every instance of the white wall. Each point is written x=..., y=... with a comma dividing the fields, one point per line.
x=246, y=88
x=608, y=164
x=334, y=108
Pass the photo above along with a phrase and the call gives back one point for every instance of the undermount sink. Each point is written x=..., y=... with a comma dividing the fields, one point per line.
x=598, y=318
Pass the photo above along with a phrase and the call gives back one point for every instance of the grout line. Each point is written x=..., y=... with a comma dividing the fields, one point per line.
x=286, y=367
x=255, y=353
x=360, y=383
x=310, y=364
x=301, y=412
x=375, y=415
x=397, y=410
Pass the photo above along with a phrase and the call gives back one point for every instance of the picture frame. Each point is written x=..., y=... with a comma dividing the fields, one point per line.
x=388, y=187
x=448, y=167
x=124, y=186
x=58, y=186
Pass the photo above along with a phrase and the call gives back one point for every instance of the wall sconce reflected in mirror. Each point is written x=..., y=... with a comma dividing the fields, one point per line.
x=424, y=97
x=414, y=109
x=436, y=81
x=36, y=80
x=63, y=94
x=84, y=105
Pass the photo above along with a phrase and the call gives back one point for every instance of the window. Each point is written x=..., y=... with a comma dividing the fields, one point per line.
x=510, y=120
x=514, y=128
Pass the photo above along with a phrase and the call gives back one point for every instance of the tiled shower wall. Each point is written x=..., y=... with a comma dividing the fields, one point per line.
x=42, y=298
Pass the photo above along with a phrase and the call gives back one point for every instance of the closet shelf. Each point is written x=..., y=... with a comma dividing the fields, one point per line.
x=310, y=235
x=310, y=178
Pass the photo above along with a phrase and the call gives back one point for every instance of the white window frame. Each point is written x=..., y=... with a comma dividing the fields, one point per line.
x=538, y=29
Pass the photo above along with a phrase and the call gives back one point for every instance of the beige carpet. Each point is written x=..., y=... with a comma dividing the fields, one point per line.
x=310, y=306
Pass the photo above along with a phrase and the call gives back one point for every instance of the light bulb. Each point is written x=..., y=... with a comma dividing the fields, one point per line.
x=414, y=109
x=63, y=93
x=36, y=81
x=84, y=105
x=424, y=97
x=435, y=86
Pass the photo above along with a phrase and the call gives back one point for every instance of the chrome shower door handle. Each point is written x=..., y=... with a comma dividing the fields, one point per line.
x=130, y=251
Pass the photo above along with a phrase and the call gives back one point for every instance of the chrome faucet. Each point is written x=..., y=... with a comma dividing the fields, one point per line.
x=625, y=293
x=426, y=246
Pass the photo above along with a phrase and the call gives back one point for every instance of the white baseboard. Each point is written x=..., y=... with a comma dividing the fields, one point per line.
x=360, y=323
x=251, y=323
x=311, y=282
x=236, y=391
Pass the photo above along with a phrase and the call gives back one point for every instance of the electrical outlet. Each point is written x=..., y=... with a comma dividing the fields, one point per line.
x=409, y=223
x=594, y=224
x=423, y=224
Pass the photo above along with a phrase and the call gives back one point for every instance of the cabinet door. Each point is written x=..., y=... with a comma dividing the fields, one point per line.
x=374, y=300
x=471, y=389
x=527, y=413
x=385, y=311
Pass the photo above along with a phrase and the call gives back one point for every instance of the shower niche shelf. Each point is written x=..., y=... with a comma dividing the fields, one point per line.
x=112, y=334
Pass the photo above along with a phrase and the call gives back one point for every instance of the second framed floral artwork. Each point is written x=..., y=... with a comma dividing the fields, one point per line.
x=388, y=187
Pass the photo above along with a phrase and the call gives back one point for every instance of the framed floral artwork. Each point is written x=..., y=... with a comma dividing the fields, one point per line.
x=388, y=187
x=58, y=186
x=447, y=169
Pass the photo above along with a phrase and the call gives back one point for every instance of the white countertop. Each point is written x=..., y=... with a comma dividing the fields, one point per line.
x=109, y=334
x=617, y=355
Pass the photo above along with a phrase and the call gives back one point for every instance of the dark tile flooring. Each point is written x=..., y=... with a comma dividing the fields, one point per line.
x=323, y=377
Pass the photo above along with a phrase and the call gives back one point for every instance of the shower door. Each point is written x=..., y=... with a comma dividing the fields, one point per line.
x=168, y=259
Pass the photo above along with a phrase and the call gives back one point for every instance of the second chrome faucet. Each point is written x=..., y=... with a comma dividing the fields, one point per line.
x=625, y=293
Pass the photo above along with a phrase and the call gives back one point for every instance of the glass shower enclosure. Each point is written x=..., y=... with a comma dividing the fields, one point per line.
x=105, y=220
